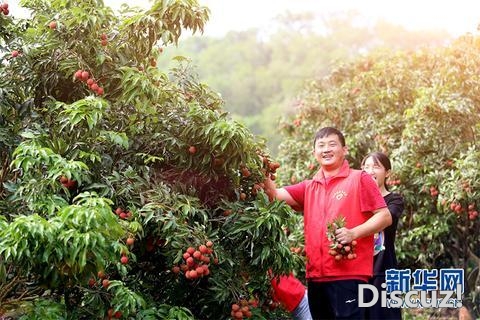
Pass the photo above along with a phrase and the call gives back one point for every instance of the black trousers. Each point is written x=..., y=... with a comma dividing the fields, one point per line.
x=335, y=300
x=377, y=312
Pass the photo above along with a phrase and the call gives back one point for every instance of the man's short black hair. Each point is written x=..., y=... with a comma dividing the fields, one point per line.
x=326, y=131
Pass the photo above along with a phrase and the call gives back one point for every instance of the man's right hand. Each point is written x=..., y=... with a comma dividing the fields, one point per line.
x=270, y=189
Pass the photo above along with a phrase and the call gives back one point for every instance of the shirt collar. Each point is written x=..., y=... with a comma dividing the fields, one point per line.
x=344, y=171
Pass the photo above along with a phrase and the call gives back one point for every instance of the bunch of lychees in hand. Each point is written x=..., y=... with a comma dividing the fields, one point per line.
x=338, y=250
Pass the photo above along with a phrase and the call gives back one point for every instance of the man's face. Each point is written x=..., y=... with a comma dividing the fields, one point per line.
x=329, y=152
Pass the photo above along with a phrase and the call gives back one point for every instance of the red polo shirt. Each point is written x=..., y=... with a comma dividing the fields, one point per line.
x=351, y=193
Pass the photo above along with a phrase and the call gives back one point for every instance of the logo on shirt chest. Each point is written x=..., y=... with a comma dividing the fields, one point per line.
x=340, y=194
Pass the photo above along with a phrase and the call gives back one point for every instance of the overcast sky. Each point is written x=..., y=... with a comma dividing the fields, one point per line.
x=455, y=16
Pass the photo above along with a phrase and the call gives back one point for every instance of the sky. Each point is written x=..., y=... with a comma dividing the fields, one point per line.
x=456, y=17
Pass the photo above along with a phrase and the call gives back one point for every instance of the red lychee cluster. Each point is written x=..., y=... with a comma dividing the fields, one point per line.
x=4, y=8
x=84, y=76
x=245, y=172
x=103, y=39
x=433, y=191
x=338, y=250
x=112, y=314
x=124, y=215
x=241, y=310
x=101, y=280
x=458, y=209
x=343, y=251
x=270, y=168
x=472, y=213
x=196, y=261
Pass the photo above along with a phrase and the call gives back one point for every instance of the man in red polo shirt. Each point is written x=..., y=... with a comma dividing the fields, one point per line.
x=336, y=190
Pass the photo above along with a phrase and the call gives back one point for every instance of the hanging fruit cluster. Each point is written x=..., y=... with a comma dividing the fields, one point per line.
x=122, y=214
x=338, y=250
x=269, y=167
x=196, y=261
x=241, y=310
x=104, y=40
x=84, y=76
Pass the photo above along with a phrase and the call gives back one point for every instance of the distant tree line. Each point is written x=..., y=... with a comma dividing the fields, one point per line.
x=259, y=72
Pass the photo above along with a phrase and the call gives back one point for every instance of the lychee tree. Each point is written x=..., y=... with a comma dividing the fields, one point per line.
x=126, y=191
x=422, y=109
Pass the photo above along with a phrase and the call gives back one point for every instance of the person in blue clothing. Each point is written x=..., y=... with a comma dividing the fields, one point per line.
x=378, y=165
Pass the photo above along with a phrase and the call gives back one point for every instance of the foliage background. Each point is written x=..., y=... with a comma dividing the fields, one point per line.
x=259, y=74
x=420, y=108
